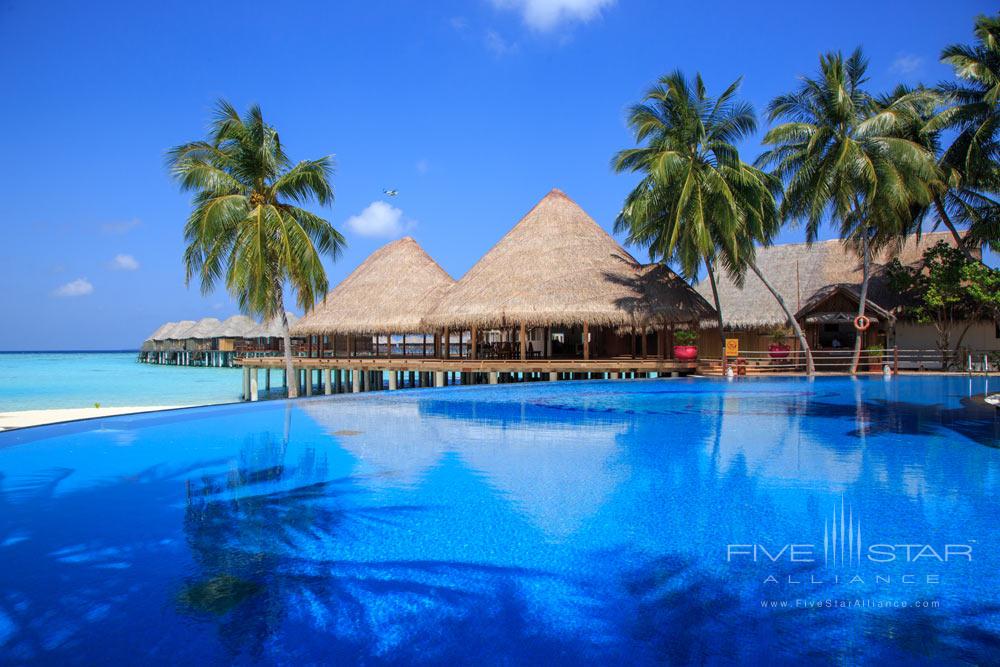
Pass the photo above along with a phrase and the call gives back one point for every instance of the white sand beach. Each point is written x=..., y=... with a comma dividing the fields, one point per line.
x=22, y=418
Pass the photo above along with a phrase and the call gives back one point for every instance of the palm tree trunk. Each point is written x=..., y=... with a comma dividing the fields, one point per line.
x=291, y=375
x=959, y=241
x=718, y=306
x=810, y=367
x=862, y=301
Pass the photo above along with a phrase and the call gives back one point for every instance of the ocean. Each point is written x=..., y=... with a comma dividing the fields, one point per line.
x=41, y=380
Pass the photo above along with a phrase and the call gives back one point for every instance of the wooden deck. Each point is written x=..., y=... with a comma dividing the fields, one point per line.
x=335, y=375
x=464, y=365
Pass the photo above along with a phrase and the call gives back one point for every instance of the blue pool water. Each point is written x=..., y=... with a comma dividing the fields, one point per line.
x=571, y=522
x=41, y=380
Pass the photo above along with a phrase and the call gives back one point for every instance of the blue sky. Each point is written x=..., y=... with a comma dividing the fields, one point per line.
x=473, y=110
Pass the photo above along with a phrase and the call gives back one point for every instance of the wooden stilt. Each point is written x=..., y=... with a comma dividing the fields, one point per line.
x=586, y=340
x=246, y=383
x=327, y=382
x=253, y=385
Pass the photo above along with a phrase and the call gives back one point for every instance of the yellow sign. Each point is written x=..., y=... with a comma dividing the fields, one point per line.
x=732, y=347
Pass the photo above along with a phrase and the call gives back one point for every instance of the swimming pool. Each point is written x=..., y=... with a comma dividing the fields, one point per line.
x=680, y=521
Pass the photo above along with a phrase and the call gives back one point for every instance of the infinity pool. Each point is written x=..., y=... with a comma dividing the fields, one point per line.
x=660, y=521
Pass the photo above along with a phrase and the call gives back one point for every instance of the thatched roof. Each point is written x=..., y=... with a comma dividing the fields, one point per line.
x=801, y=272
x=179, y=330
x=558, y=267
x=272, y=328
x=391, y=292
x=205, y=328
x=237, y=326
x=159, y=333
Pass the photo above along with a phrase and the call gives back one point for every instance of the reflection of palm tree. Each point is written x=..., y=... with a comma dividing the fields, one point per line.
x=268, y=557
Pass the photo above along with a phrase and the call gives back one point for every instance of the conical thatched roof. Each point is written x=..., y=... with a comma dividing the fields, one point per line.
x=557, y=267
x=159, y=333
x=205, y=328
x=801, y=272
x=392, y=291
x=237, y=326
x=272, y=328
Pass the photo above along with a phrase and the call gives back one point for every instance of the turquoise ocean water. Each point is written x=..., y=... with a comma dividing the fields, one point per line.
x=39, y=380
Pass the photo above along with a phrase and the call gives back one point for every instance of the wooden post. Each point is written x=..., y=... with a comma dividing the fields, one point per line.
x=553, y=377
x=253, y=385
x=336, y=380
x=246, y=383
x=493, y=377
x=438, y=378
x=472, y=343
x=447, y=343
x=524, y=342
x=355, y=380
x=327, y=383
x=586, y=340
x=392, y=381
x=309, y=382
x=645, y=344
x=267, y=379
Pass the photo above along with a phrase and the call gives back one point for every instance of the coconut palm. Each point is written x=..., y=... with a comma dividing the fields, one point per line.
x=698, y=203
x=845, y=158
x=247, y=227
x=969, y=163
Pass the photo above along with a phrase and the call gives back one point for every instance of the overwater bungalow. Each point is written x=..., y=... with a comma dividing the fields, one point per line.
x=391, y=292
x=557, y=297
x=821, y=284
x=209, y=342
x=559, y=286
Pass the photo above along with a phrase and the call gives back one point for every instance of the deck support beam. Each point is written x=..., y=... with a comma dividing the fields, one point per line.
x=327, y=381
x=393, y=380
x=253, y=384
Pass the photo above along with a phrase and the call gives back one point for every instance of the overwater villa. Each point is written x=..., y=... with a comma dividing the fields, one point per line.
x=209, y=342
x=556, y=295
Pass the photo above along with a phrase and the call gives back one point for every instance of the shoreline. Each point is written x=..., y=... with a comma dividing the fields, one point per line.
x=25, y=418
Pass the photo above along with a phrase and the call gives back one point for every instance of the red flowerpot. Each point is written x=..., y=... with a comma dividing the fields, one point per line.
x=778, y=350
x=685, y=352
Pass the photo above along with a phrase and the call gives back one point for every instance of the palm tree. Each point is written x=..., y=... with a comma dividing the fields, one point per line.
x=697, y=202
x=843, y=156
x=969, y=163
x=246, y=226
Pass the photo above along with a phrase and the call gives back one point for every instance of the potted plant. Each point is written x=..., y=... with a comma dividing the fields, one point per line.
x=875, y=356
x=684, y=345
x=778, y=349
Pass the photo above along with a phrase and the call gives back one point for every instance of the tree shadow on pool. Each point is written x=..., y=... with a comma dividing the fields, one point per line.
x=979, y=423
x=686, y=615
x=280, y=576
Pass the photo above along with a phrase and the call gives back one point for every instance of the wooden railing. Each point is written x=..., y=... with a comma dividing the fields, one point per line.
x=753, y=362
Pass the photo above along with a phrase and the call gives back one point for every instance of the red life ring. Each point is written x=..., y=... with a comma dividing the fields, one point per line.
x=861, y=323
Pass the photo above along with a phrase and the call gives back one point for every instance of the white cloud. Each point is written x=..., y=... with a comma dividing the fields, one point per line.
x=423, y=166
x=906, y=63
x=120, y=227
x=124, y=263
x=547, y=14
x=498, y=45
x=380, y=219
x=458, y=23
x=78, y=287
